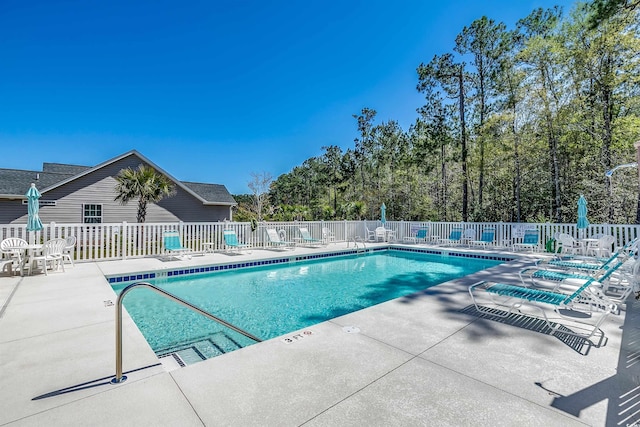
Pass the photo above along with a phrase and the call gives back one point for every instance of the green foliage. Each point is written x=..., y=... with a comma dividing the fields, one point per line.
x=144, y=184
x=516, y=124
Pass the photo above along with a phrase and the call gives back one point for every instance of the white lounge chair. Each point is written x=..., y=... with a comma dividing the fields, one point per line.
x=274, y=240
x=328, y=236
x=584, y=306
x=306, y=238
x=568, y=245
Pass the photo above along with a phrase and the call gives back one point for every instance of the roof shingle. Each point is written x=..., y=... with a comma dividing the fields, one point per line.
x=16, y=182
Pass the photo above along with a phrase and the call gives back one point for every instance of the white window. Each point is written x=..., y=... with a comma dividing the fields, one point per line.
x=91, y=214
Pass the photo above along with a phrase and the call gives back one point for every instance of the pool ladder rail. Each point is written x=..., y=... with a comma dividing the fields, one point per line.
x=119, y=377
x=356, y=243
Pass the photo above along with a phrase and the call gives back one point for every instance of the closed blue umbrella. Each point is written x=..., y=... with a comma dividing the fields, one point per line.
x=33, y=220
x=383, y=214
x=583, y=222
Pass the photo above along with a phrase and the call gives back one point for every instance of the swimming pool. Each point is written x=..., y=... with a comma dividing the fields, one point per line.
x=274, y=300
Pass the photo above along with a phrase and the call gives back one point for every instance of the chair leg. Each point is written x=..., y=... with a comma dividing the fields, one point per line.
x=68, y=256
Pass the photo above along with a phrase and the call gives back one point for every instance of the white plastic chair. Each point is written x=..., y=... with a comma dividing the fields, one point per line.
x=468, y=236
x=69, y=249
x=51, y=253
x=569, y=244
x=601, y=248
x=371, y=234
x=328, y=236
x=14, y=248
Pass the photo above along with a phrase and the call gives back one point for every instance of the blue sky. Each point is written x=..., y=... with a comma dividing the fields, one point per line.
x=212, y=91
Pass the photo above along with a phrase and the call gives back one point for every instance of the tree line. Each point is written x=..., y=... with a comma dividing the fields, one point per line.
x=516, y=124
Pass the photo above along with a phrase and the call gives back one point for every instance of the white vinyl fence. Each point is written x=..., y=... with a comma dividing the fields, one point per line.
x=123, y=240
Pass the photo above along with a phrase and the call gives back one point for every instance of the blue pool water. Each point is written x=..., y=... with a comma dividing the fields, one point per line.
x=275, y=300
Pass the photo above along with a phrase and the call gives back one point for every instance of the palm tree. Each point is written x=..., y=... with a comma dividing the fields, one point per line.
x=144, y=184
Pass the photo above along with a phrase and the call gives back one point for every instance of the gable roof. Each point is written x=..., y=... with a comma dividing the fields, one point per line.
x=62, y=168
x=14, y=183
x=211, y=192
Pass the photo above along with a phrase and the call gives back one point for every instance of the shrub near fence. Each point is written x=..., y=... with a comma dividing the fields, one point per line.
x=112, y=241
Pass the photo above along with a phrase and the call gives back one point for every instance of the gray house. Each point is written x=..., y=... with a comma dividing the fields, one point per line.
x=83, y=194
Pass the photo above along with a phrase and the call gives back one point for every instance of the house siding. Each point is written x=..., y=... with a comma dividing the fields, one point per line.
x=97, y=187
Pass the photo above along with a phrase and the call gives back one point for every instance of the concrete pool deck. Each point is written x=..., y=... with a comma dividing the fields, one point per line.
x=425, y=359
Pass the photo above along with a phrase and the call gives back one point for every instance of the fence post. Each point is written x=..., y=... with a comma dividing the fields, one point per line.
x=345, y=230
x=123, y=239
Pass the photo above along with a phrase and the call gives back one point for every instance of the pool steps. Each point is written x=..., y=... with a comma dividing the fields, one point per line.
x=119, y=377
x=202, y=348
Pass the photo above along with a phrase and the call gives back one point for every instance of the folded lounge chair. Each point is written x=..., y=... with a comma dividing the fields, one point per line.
x=588, y=304
x=171, y=242
x=231, y=241
x=274, y=241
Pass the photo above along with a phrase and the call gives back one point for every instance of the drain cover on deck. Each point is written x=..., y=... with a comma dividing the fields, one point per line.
x=351, y=329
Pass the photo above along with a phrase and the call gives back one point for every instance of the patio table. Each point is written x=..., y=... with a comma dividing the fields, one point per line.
x=390, y=235
x=585, y=245
x=27, y=252
x=208, y=247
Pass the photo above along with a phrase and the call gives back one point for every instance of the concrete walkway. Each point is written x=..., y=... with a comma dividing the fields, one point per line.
x=426, y=359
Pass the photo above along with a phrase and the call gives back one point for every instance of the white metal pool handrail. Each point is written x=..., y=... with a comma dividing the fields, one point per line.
x=119, y=377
